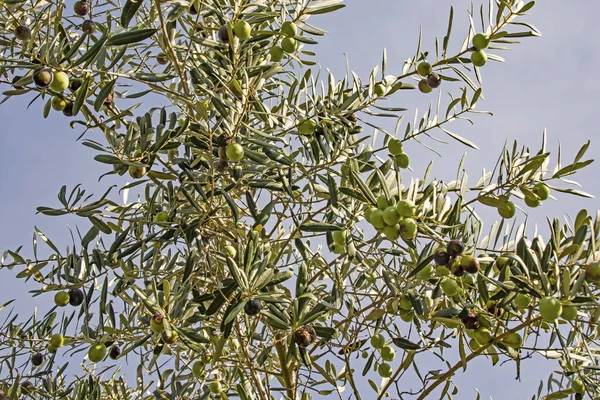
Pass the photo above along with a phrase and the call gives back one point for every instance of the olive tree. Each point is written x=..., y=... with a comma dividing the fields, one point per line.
x=279, y=244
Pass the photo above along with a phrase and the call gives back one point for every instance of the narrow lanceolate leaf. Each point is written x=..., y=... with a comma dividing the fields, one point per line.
x=325, y=6
x=130, y=37
x=91, y=53
x=107, y=159
x=405, y=344
x=460, y=139
x=102, y=96
x=319, y=227
x=81, y=95
x=149, y=77
x=73, y=49
x=237, y=274
x=129, y=10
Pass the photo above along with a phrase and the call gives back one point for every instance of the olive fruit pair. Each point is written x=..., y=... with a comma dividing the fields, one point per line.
x=432, y=81
x=478, y=56
x=396, y=149
x=289, y=44
x=536, y=195
x=74, y=297
x=241, y=29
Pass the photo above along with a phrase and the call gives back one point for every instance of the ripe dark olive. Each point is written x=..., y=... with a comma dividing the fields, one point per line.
x=76, y=297
x=115, y=352
x=22, y=32
x=223, y=34
x=75, y=84
x=305, y=335
x=162, y=59
x=441, y=257
x=81, y=8
x=68, y=110
x=88, y=27
x=470, y=264
x=433, y=80
x=252, y=307
x=43, y=77
x=471, y=321
x=37, y=359
x=455, y=248
x=16, y=79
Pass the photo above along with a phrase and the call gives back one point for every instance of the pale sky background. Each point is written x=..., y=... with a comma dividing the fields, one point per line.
x=548, y=82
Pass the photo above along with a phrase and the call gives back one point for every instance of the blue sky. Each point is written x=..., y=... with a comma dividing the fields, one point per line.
x=546, y=83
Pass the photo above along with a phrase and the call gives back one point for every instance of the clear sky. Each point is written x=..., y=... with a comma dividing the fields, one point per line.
x=548, y=82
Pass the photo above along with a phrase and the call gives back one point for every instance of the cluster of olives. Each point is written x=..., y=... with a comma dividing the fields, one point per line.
x=58, y=81
x=453, y=261
x=243, y=30
x=397, y=150
x=157, y=325
x=537, y=194
x=82, y=9
x=96, y=352
x=393, y=220
x=478, y=56
x=403, y=306
x=533, y=198
x=430, y=80
x=552, y=309
x=288, y=44
x=26, y=388
x=386, y=352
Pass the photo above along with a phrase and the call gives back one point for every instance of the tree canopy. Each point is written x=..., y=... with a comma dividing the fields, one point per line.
x=279, y=244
